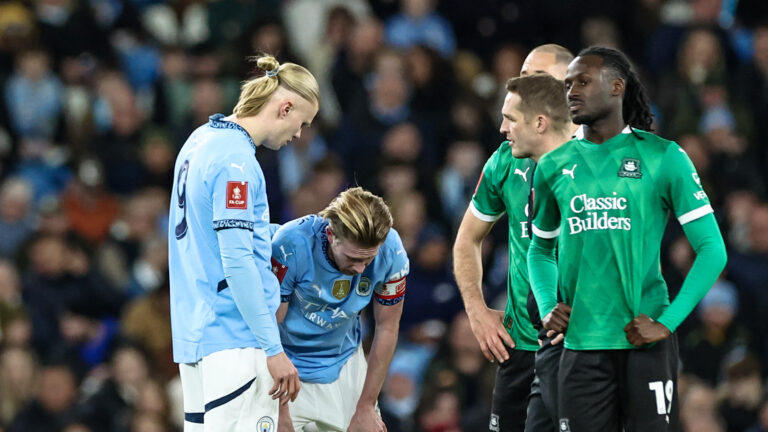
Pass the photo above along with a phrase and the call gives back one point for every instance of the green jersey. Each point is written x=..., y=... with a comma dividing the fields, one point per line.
x=504, y=187
x=608, y=205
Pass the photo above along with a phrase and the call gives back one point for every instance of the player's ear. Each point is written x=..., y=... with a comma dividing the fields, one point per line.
x=542, y=123
x=617, y=87
x=285, y=108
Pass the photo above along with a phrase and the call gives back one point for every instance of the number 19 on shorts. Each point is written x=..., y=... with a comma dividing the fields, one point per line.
x=662, y=389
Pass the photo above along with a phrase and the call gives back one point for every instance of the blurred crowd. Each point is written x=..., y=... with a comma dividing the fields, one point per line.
x=97, y=96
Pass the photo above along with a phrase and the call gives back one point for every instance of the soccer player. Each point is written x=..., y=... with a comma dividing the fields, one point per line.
x=606, y=198
x=505, y=187
x=330, y=266
x=223, y=293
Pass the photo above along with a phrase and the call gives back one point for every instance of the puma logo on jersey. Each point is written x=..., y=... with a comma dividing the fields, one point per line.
x=570, y=171
x=240, y=167
x=523, y=174
x=285, y=254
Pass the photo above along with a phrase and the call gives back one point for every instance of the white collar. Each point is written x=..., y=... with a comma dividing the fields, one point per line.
x=579, y=134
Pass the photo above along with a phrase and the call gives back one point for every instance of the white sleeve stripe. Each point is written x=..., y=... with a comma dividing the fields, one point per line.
x=482, y=216
x=545, y=234
x=695, y=214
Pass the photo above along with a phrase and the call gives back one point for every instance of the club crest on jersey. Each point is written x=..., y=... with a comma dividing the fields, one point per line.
x=341, y=288
x=237, y=195
x=363, y=287
x=630, y=168
x=565, y=425
x=266, y=424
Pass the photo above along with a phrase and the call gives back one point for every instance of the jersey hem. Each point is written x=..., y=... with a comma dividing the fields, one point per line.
x=526, y=347
x=482, y=216
x=600, y=347
x=695, y=214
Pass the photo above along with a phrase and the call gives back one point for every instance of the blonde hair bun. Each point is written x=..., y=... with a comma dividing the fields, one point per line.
x=269, y=64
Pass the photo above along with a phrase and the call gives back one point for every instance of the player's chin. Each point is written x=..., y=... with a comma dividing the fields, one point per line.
x=580, y=118
x=518, y=153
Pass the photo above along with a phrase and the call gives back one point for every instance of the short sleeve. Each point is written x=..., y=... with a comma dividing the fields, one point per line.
x=392, y=290
x=284, y=264
x=487, y=204
x=683, y=194
x=234, y=190
x=546, y=213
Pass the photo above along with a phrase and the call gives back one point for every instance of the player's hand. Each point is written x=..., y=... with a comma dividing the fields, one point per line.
x=284, y=421
x=557, y=319
x=285, y=376
x=558, y=337
x=491, y=334
x=643, y=330
x=366, y=419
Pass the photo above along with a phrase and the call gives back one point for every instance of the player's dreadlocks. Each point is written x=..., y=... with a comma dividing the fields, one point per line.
x=636, y=107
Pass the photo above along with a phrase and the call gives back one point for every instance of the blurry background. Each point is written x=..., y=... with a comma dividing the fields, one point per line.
x=97, y=97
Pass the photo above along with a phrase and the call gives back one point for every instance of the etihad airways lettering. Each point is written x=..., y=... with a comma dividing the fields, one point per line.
x=596, y=219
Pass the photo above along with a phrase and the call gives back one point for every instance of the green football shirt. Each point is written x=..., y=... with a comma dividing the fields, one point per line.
x=504, y=187
x=608, y=205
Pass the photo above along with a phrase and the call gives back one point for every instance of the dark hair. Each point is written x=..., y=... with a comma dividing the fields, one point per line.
x=636, y=107
x=542, y=94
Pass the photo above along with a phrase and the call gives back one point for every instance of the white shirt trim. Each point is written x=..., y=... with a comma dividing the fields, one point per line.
x=482, y=216
x=545, y=234
x=695, y=214
x=579, y=134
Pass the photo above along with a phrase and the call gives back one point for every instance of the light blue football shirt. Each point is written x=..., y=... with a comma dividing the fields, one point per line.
x=223, y=292
x=322, y=327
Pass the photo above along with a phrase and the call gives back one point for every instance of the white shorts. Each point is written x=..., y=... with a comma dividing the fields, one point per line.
x=229, y=391
x=331, y=406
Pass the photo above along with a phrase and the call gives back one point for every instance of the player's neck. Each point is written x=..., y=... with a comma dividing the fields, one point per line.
x=551, y=142
x=254, y=125
x=604, y=128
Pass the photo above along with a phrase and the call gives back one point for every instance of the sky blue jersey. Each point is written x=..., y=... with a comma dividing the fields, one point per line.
x=322, y=328
x=223, y=292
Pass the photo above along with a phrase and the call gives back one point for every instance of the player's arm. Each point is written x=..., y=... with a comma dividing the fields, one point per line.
x=284, y=421
x=485, y=208
x=486, y=323
x=284, y=267
x=236, y=226
x=542, y=265
x=694, y=212
x=382, y=349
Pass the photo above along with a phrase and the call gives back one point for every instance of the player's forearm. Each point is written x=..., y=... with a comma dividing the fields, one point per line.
x=285, y=412
x=379, y=359
x=242, y=275
x=542, y=268
x=706, y=240
x=468, y=270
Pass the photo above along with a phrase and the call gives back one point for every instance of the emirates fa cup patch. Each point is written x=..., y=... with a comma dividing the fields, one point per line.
x=630, y=168
x=237, y=195
x=279, y=270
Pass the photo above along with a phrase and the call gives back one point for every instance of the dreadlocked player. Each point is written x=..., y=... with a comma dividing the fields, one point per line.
x=605, y=196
